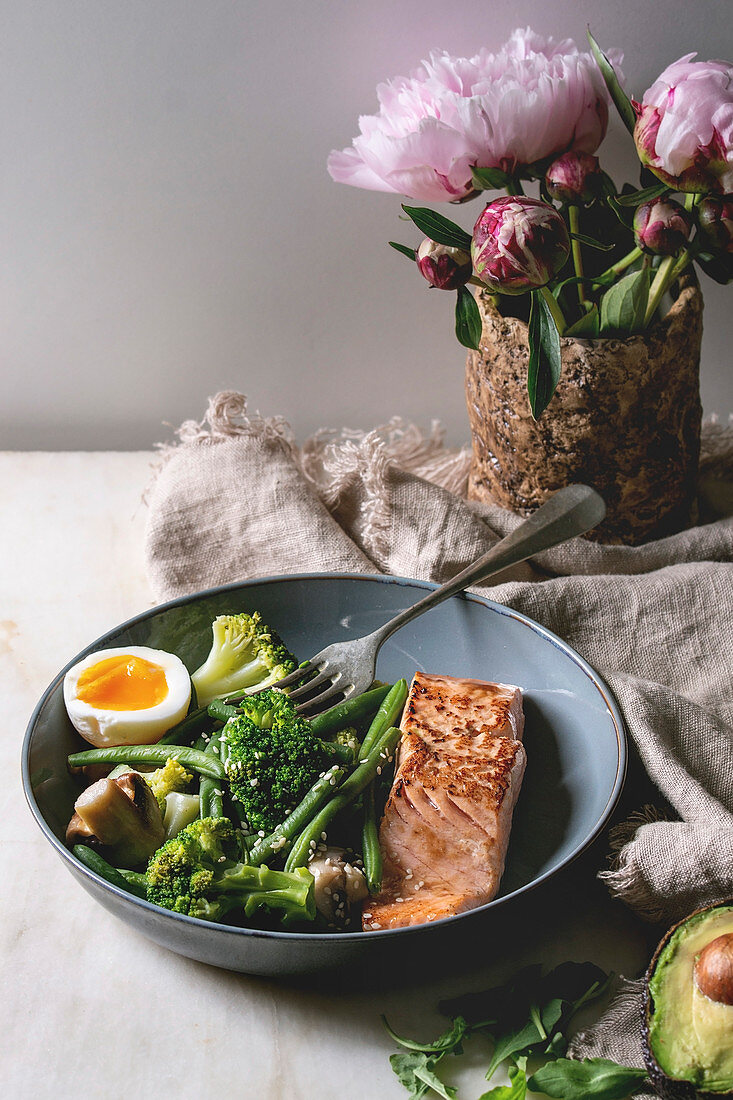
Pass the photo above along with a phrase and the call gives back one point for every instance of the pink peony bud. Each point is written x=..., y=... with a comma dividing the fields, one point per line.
x=715, y=218
x=684, y=128
x=574, y=177
x=444, y=267
x=662, y=226
x=518, y=244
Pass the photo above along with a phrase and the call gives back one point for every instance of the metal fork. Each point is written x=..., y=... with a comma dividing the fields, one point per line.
x=347, y=668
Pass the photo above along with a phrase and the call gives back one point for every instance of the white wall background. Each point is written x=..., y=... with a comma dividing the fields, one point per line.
x=168, y=228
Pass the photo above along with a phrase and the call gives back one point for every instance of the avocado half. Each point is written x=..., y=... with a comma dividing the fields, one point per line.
x=687, y=1027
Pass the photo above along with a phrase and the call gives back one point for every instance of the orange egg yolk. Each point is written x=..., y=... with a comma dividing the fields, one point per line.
x=122, y=683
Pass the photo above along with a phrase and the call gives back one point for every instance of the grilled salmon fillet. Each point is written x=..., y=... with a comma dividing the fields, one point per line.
x=446, y=824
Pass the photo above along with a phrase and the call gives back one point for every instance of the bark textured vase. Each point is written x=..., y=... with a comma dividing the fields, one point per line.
x=625, y=419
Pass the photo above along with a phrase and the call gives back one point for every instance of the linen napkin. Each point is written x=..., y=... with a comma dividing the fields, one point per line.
x=235, y=498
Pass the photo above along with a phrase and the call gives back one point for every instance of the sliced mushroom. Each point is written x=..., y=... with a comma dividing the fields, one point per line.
x=338, y=885
x=123, y=815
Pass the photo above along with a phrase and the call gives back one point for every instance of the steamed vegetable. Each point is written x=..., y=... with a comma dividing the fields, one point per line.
x=246, y=656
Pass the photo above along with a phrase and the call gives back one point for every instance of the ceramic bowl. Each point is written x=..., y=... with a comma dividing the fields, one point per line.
x=574, y=737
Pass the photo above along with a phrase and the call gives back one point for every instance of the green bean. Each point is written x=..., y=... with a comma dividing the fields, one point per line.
x=343, y=754
x=96, y=863
x=351, y=712
x=186, y=730
x=222, y=711
x=210, y=795
x=296, y=821
x=389, y=713
x=362, y=775
x=150, y=754
x=371, y=852
x=136, y=880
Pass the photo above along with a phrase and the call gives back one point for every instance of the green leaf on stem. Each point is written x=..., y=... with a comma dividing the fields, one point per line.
x=573, y=1079
x=512, y=1042
x=489, y=179
x=543, y=372
x=589, y=326
x=616, y=92
x=515, y=1090
x=411, y=253
x=416, y=1071
x=592, y=243
x=447, y=1043
x=718, y=267
x=468, y=319
x=437, y=228
x=623, y=306
x=636, y=198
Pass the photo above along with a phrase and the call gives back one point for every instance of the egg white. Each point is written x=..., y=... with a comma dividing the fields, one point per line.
x=103, y=728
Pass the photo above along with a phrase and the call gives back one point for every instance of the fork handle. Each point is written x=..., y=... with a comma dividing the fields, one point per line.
x=569, y=512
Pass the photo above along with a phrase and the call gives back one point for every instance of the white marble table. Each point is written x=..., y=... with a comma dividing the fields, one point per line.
x=90, y=1007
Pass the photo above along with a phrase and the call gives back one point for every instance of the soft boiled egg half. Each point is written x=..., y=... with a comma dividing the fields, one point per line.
x=127, y=696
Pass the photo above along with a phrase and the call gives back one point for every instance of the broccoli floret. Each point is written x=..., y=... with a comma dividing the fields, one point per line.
x=271, y=757
x=172, y=778
x=246, y=655
x=194, y=874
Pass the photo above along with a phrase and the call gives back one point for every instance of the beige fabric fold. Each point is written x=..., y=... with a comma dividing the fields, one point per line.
x=236, y=498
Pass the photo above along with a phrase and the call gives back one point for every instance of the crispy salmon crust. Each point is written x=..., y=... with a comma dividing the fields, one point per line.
x=445, y=829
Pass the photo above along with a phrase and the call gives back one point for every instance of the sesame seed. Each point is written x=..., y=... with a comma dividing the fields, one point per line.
x=254, y=782
x=399, y=899
x=366, y=915
x=379, y=769
x=324, y=835
x=260, y=832
x=376, y=925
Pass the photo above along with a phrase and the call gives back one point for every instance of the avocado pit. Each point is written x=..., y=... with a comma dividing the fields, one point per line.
x=714, y=970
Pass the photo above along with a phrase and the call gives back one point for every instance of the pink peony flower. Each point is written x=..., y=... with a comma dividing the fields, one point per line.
x=662, y=227
x=444, y=267
x=684, y=128
x=518, y=244
x=573, y=177
x=531, y=100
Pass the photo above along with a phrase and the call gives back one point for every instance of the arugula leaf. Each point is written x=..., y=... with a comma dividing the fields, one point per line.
x=544, y=367
x=515, y=1090
x=507, y=1001
x=438, y=228
x=448, y=1042
x=513, y=1042
x=411, y=253
x=616, y=92
x=572, y=1079
x=416, y=1071
x=468, y=320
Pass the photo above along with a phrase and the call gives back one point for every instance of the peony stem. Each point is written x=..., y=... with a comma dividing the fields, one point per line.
x=622, y=264
x=554, y=308
x=574, y=219
x=670, y=269
x=514, y=187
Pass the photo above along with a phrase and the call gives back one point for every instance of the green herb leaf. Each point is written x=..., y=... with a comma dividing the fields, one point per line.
x=438, y=228
x=572, y=1079
x=468, y=319
x=616, y=92
x=636, y=198
x=448, y=1042
x=624, y=305
x=589, y=326
x=513, y=1042
x=543, y=372
x=592, y=243
x=416, y=1071
x=516, y=1090
x=489, y=179
x=411, y=253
